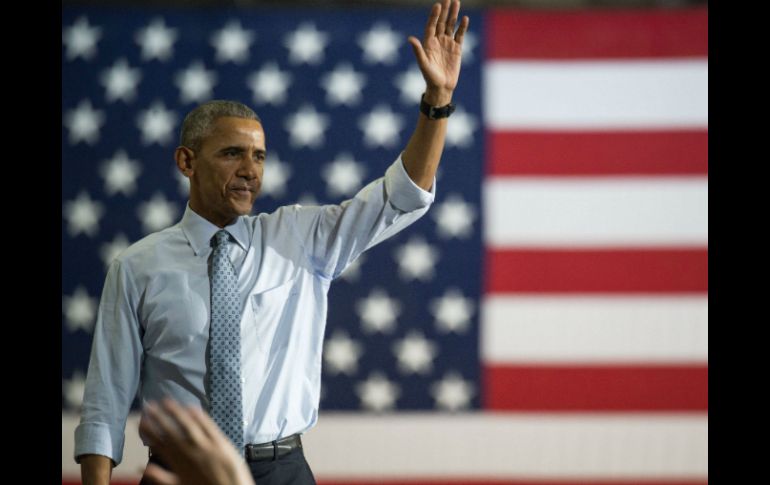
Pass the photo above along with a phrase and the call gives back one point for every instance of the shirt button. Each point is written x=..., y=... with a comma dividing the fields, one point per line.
x=245, y=422
x=243, y=380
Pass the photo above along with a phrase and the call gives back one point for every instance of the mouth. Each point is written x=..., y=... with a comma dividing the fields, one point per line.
x=242, y=191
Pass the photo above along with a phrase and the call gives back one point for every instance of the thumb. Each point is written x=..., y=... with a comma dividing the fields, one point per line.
x=419, y=53
x=160, y=476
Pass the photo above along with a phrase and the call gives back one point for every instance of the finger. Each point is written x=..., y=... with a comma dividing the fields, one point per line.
x=189, y=426
x=441, y=23
x=452, y=20
x=167, y=429
x=149, y=429
x=430, y=27
x=419, y=53
x=159, y=476
x=462, y=30
x=206, y=424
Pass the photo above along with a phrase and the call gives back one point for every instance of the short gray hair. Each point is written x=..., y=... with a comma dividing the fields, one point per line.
x=197, y=123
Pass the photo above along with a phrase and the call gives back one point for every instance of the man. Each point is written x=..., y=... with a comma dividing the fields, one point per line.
x=162, y=325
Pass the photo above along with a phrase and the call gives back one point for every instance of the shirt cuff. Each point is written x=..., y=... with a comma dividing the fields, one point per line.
x=99, y=439
x=403, y=193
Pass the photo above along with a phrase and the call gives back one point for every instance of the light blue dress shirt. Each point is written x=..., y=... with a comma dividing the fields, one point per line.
x=152, y=327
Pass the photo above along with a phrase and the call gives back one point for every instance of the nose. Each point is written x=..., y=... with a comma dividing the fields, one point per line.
x=249, y=168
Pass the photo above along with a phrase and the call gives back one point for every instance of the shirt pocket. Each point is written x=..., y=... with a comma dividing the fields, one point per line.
x=269, y=307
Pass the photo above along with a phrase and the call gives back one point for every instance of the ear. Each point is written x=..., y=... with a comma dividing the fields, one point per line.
x=184, y=157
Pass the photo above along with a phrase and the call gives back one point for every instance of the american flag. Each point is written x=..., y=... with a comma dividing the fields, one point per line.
x=545, y=322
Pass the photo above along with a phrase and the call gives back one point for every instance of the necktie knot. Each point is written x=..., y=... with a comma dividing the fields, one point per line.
x=220, y=238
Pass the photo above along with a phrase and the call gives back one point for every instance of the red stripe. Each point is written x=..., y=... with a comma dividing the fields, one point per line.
x=597, y=270
x=470, y=481
x=518, y=34
x=596, y=388
x=598, y=153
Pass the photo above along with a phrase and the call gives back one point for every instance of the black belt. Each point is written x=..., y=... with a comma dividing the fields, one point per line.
x=274, y=449
x=269, y=451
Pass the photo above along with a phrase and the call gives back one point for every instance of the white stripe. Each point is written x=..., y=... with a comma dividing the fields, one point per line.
x=590, y=329
x=595, y=94
x=548, y=446
x=607, y=211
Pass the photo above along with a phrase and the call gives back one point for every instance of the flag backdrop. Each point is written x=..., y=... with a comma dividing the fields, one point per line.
x=545, y=322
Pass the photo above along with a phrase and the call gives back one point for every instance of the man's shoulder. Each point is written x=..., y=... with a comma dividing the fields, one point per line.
x=149, y=248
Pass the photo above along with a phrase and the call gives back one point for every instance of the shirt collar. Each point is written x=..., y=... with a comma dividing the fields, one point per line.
x=199, y=231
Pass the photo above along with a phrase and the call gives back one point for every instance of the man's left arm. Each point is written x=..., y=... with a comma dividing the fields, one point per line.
x=438, y=56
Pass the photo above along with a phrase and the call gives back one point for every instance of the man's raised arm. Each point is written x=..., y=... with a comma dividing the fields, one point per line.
x=439, y=57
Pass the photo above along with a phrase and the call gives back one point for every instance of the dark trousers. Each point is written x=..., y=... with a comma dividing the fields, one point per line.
x=290, y=469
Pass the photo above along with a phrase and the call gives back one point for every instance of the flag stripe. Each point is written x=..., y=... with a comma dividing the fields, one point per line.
x=465, y=481
x=616, y=212
x=596, y=95
x=482, y=446
x=597, y=34
x=670, y=152
x=596, y=388
x=594, y=329
x=678, y=270
x=471, y=481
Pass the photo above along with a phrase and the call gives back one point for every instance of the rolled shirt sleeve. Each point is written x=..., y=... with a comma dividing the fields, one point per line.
x=333, y=236
x=113, y=370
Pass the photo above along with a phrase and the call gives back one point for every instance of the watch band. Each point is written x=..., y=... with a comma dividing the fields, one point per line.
x=433, y=112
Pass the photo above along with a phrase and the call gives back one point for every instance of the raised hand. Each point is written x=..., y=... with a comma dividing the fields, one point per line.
x=440, y=52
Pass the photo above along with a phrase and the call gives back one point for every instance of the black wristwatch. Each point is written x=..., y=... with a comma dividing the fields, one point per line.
x=433, y=112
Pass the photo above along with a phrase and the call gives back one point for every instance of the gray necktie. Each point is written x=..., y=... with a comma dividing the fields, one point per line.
x=225, y=344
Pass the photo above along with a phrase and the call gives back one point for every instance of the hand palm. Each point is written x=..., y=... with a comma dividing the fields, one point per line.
x=440, y=52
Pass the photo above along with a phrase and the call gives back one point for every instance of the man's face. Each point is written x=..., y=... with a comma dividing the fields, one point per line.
x=226, y=171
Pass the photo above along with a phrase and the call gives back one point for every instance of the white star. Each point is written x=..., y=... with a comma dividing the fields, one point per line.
x=460, y=128
x=306, y=127
x=454, y=217
x=377, y=393
x=343, y=176
x=79, y=310
x=183, y=183
x=378, y=312
x=120, y=81
x=452, y=311
x=156, y=40
x=83, y=215
x=452, y=392
x=195, y=83
x=157, y=214
x=109, y=251
x=416, y=259
x=120, y=173
x=380, y=44
x=381, y=127
x=306, y=44
x=84, y=123
x=307, y=199
x=269, y=84
x=156, y=124
x=341, y=354
x=353, y=272
x=411, y=84
x=277, y=173
x=73, y=389
x=81, y=39
x=343, y=85
x=469, y=42
x=415, y=353
x=232, y=42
